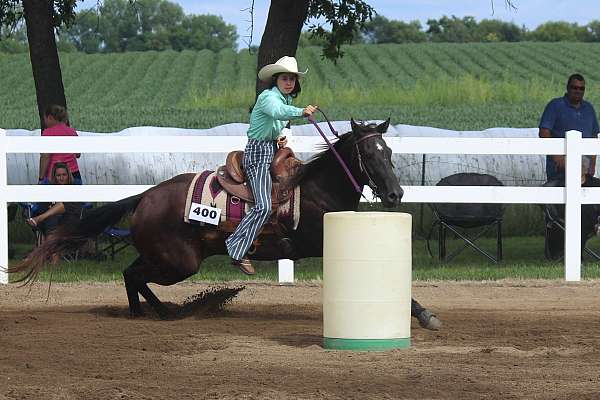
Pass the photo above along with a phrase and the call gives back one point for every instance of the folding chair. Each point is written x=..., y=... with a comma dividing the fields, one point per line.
x=554, y=231
x=118, y=239
x=554, y=216
x=31, y=210
x=111, y=241
x=462, y=219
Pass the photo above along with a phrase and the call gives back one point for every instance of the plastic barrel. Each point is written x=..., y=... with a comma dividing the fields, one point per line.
x=367, y=277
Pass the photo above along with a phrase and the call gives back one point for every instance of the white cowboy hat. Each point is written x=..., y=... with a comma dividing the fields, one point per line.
x=284, y=64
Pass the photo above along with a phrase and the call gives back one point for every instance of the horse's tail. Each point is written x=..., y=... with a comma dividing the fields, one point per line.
x=68, y=238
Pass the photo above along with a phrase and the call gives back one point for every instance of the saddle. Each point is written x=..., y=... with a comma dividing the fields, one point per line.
x=232, y=177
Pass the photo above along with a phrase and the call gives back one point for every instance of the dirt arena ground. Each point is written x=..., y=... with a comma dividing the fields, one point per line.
x=533, y=339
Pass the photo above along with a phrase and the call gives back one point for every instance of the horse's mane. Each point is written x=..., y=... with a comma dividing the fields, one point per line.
x=318, y=161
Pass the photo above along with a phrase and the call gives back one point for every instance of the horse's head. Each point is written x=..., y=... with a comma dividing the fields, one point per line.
x=375, y=162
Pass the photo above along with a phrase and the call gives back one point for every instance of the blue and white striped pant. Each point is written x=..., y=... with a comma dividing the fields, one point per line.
x=258, y=156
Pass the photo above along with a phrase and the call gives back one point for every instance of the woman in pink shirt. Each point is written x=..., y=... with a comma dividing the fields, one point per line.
x=57, y=124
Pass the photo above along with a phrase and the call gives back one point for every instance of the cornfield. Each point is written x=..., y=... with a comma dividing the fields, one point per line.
x=454, y=86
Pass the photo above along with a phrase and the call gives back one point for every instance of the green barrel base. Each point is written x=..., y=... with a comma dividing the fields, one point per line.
x=365, y=344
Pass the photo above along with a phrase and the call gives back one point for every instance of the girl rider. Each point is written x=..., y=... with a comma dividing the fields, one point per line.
x=269, y=116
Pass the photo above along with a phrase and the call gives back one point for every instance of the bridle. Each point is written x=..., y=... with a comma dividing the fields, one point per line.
x=361, y=165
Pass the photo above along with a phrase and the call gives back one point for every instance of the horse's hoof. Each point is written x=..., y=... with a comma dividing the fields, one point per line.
x=429, y=320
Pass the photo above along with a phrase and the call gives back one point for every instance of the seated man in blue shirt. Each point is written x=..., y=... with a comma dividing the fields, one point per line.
x=566, y=113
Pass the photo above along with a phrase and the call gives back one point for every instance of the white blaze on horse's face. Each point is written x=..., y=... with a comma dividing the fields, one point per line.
x=379, y=147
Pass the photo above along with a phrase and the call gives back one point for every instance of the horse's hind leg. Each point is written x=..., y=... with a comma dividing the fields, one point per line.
x=135, y=282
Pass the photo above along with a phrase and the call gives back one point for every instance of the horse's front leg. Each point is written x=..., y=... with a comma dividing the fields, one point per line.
x=135, y=308
x=136, y=279
x=427, y=319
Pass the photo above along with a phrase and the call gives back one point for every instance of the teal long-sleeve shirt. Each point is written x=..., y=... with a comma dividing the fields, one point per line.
x=270, y=114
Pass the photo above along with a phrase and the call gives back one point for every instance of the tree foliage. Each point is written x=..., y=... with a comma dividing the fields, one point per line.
x=308, y=39
x=452, y=29
x=593, y=29
x=13, y=32
x=345, y=17
x=493, y=30
x=382, y=30
x=203, y=32
x=11, y=12
x=559, y=31
x=125, y=25
x=120, y=26
x=84, y=34
x=467, y=29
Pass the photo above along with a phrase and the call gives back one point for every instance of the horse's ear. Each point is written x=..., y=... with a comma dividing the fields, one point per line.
x=354, y=125
x=383, y=127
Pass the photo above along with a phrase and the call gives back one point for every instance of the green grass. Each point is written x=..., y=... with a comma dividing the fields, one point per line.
x=456, y=86
x=523, y=259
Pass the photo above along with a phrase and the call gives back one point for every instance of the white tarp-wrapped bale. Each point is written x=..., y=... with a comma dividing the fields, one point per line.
x=152, y=168
x=510, y=169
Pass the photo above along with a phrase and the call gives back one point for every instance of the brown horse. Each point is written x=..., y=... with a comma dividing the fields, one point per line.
x=171, y=250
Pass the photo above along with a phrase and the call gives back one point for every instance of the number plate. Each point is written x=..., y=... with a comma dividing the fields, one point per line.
x=202, y=213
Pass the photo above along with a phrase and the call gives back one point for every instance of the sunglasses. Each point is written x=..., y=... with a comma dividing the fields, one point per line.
x=582, y=88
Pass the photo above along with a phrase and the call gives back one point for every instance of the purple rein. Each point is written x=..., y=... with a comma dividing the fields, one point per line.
x=340, y=160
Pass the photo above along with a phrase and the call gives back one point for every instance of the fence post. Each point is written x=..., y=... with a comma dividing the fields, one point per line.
x=285, y=272
x=573, y=150
x=3, y=210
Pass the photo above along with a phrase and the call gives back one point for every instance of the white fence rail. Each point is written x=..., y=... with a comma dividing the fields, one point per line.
x=572, y=195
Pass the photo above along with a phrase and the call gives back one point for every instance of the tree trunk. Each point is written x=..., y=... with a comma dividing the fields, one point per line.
x=282, y=33
x=45, y=64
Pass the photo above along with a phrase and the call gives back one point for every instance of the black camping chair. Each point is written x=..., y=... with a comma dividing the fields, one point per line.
x=111, y=241
x=31, y=210
x=463, y=218
x=115, y=240
x=554, y=228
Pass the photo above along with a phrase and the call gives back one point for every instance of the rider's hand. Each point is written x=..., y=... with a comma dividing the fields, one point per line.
x=282, y=142
x=309, y=110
